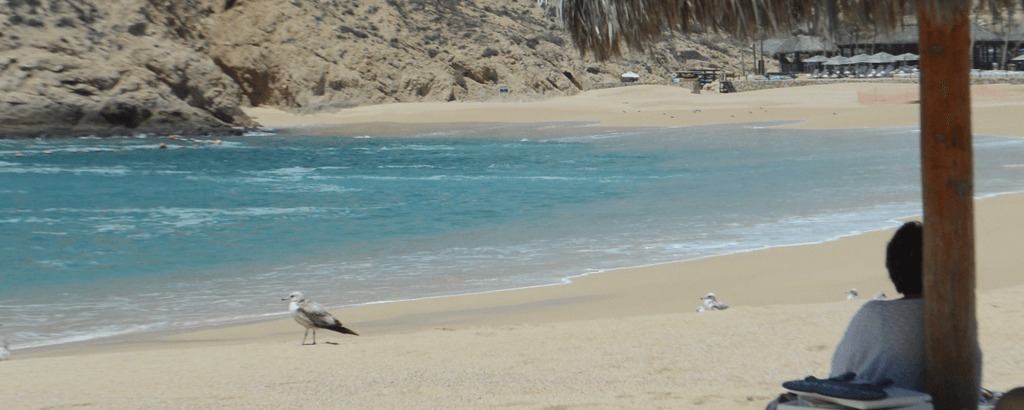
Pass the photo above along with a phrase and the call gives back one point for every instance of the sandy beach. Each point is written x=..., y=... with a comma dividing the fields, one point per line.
x=816, y=107
x=622, y=339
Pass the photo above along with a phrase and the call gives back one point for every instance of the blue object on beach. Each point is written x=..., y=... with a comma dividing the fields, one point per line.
x=841, y=386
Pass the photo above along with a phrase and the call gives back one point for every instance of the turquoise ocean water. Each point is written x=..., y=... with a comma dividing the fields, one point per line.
x=112, y=236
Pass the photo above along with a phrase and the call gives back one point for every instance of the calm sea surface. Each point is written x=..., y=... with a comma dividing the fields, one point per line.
x=109, y=236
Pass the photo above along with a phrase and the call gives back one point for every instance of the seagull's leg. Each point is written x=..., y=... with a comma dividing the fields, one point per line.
x=304, y=337
x=314, y=336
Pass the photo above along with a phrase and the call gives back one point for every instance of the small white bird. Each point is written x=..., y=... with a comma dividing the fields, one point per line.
x=880, y=296
x=852, y=294
x=312, y=316
x=710, y=303
x=5, y=351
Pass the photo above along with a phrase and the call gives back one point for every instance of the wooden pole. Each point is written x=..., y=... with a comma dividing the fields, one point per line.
x=952, y=368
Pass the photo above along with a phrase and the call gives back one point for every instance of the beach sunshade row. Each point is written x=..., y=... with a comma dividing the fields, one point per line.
x=879, y=58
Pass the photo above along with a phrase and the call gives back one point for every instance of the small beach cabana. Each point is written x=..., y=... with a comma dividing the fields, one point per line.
x=796, y=46
x=603, y=27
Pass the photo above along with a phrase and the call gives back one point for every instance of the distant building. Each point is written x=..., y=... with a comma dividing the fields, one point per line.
x=989, y=48
x=791, y=51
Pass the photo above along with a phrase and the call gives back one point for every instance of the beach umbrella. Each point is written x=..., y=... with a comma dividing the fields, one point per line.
x=882, y=58
x=837, y=60
x=907, y=57
x=816, y=59
x=858, y=59
x=1018, y=58
x=603, y=27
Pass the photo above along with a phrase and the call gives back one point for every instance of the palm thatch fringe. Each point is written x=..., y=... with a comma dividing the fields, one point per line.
x=603, y=26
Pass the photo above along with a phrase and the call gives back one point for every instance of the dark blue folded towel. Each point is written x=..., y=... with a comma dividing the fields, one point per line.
x=841, y=387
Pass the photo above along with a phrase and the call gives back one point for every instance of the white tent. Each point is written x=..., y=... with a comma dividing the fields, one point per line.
x=631, y=75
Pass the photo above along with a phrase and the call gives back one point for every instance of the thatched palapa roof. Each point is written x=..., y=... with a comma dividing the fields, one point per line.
x=603, y=26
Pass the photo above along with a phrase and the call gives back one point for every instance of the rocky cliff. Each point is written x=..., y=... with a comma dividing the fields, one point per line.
x=112, y=66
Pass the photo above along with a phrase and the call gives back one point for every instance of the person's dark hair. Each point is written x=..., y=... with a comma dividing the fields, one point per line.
x=903, y=258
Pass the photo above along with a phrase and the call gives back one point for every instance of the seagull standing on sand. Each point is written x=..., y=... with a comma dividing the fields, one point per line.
x=710, y=303
x=311, y=315
x=852, y=294
x=880, y=296
x=5, y=352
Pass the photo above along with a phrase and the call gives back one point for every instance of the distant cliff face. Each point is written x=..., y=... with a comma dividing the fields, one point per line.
x=85, y=65
x=91, y=65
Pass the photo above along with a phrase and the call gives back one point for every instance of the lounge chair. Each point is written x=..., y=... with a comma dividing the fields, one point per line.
x=814, y=74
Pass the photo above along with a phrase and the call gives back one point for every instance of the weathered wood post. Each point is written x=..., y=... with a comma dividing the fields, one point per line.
x=952, y=371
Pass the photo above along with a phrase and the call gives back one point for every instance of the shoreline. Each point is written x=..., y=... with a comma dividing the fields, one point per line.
x=153, y=339
x=623, y=338
x=574, y=112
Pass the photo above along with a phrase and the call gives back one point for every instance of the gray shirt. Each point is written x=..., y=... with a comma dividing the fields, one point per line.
x=885, y=339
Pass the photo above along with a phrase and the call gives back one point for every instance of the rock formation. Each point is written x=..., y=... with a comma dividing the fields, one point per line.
x=121, y=66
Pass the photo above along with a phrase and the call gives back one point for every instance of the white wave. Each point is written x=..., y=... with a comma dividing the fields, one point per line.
x=290, y=171
x=314, y=188
x=405, y=166
x=111, y=171
x=419, y=148
x=30, y=220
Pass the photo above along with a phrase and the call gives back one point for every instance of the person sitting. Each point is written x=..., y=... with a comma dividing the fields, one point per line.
x=885, y=339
